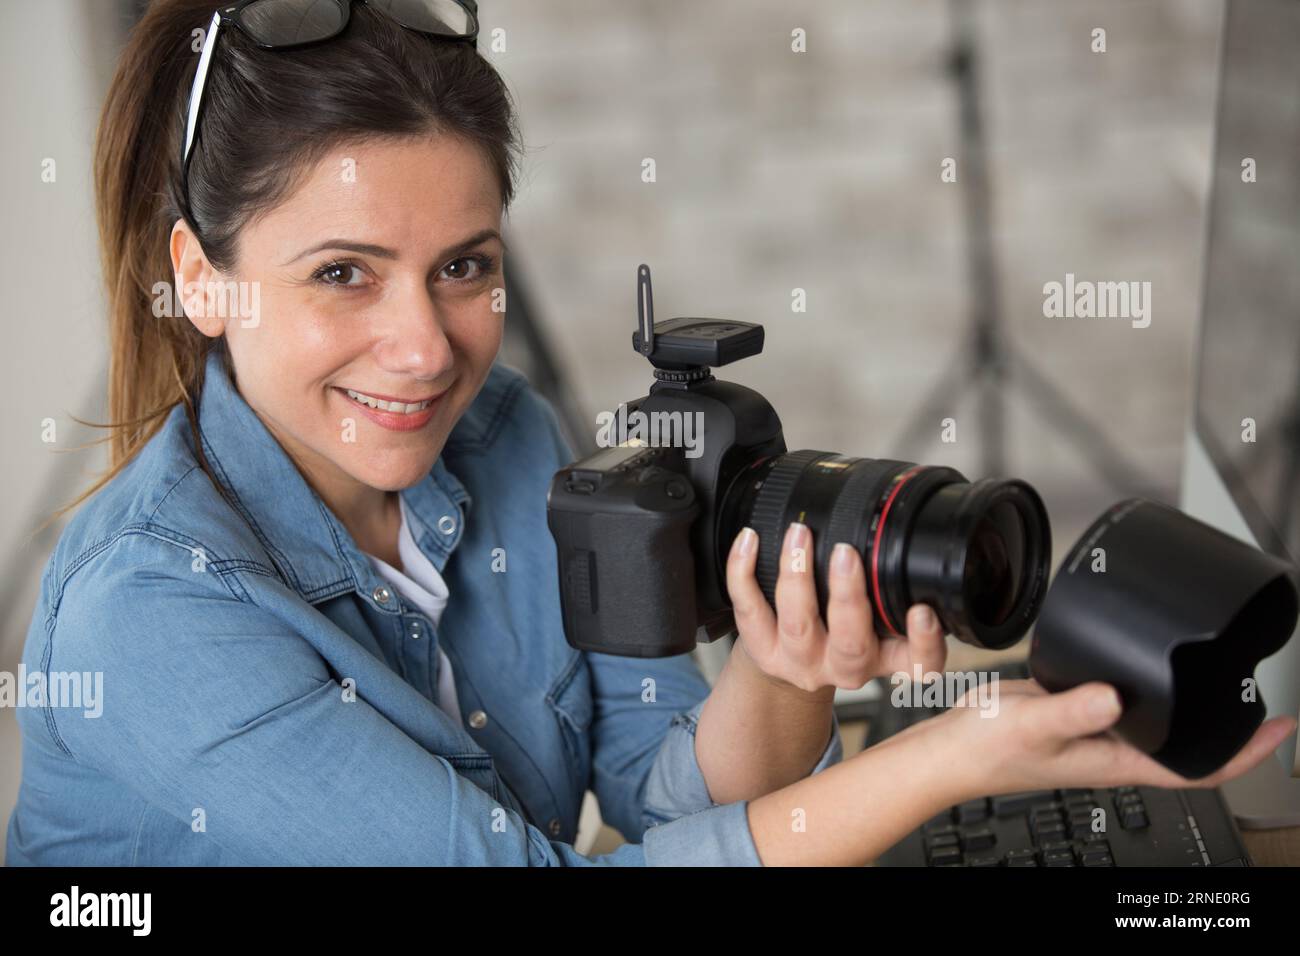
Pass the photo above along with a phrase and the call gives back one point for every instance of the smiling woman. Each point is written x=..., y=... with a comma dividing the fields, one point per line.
x=312, y=651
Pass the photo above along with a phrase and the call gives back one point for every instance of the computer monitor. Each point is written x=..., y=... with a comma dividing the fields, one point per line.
x=1241, y=471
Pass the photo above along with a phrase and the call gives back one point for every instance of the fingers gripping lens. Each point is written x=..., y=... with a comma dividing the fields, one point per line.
x=977, y=553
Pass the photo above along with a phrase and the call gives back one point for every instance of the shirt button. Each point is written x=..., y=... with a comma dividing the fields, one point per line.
x=446, y=524
x=478, y=720
x=382, y=594
x=554, y=827
x=415, y=629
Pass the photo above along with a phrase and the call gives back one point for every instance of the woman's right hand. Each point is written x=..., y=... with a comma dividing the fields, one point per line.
x=1043, y=741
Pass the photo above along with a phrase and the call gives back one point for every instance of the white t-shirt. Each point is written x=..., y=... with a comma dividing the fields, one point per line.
x=424, y=587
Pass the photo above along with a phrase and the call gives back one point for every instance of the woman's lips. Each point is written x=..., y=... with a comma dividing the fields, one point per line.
x=393, y=421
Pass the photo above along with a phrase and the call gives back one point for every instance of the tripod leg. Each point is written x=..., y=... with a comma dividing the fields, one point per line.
x=1055, y=407
x=912, y=438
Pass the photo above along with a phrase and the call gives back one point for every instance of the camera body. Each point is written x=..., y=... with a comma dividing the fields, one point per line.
x=644, y=526
x=636, y=526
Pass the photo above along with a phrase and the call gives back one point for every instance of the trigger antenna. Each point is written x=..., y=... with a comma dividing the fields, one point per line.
x=645, y=309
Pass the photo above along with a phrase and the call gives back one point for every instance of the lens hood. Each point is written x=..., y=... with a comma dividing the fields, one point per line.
x=1175, y=615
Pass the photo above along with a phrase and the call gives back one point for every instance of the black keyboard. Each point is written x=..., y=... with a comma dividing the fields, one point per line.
x=1144, y=826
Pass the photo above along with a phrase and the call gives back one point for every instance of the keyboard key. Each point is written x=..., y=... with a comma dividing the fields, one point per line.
x=1058, y=858
x=978, y=839
x=1039, y=821
x=1081, y=824
x=1099, y=860
x=1134, y=818
x=1014, y=804
x=983, y=861
x=1100, y=848
x=972, y=811
x=945, y=854
x=1049, y=831
x=942, y=839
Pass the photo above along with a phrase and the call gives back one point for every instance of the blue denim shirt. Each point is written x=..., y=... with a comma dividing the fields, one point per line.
x=266, y=699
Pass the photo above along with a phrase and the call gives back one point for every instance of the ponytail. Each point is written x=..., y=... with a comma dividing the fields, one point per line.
x=155, y=361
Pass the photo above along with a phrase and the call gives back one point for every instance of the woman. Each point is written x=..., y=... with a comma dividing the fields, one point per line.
x=317, y=580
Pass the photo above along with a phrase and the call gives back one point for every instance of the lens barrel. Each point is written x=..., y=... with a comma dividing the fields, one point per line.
x=978, y=553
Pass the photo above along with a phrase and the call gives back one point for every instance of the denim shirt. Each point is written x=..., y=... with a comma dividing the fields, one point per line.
x=267, y=699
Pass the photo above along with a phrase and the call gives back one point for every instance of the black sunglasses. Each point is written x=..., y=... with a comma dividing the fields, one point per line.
x=285, y=24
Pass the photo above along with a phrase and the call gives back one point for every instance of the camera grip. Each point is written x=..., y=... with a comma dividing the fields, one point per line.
x=627, y=574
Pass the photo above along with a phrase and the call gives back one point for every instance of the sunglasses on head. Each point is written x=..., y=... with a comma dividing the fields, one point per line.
x=286, y=24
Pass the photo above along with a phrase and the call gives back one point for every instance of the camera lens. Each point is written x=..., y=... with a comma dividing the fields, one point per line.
x=978, y=553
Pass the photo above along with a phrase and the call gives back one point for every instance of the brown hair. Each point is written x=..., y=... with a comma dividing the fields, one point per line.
x=267, y=117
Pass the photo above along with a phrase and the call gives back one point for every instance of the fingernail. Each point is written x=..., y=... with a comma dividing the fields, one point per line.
x=1104, y=704
x=842, y=559
x=798, y=535
x=924, y=618
x=748, y=541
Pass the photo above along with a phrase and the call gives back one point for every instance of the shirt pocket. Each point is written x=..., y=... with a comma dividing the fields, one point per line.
x=570, y=701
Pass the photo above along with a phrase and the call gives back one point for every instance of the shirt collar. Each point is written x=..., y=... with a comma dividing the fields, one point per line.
x=309, y=545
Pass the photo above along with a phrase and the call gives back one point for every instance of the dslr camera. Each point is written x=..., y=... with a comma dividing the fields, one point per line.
x=642, y=530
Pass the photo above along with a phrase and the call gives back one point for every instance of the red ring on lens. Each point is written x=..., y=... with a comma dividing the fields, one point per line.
x=902, y=479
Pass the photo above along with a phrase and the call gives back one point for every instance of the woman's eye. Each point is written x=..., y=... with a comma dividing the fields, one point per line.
x=468, y=268
x=338, y=273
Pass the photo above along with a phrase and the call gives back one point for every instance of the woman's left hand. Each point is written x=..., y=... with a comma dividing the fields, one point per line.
x=793, y=646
